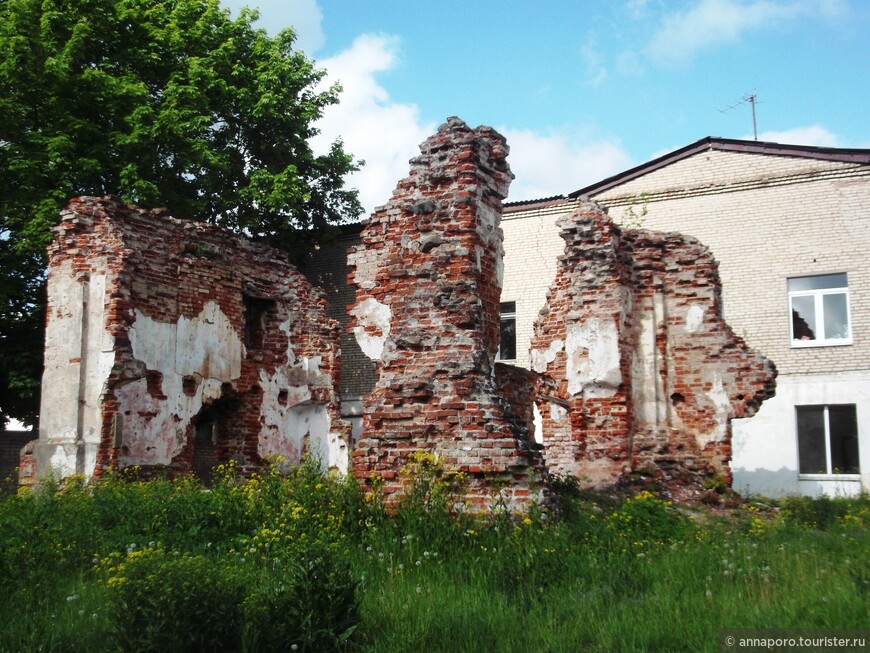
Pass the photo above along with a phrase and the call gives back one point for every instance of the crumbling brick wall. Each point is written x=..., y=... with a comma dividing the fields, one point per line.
x=178, y=344
x=428, y=277
x=648, y=373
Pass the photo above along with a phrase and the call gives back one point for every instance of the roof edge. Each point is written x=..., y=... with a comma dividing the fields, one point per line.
x=845, y=155
x=533, y=203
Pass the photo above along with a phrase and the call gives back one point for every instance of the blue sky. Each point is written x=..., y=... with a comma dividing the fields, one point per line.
x=582, y=89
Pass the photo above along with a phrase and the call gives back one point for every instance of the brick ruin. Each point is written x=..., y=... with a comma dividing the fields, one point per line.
x=177, y=344
x=173, y=343
x=428, y=276
x=647, y=372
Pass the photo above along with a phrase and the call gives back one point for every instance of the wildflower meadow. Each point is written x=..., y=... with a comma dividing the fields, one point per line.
x=291, y=560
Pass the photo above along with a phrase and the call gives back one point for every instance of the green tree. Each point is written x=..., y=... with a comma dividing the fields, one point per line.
x=165, y=103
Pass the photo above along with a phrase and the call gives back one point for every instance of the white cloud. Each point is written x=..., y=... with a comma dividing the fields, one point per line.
x=558, y=164
x=304, y=16
x=713, y=23
x=814, y=135
x=384, y=133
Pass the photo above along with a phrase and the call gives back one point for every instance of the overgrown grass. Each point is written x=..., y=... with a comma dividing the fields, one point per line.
x=293, y=560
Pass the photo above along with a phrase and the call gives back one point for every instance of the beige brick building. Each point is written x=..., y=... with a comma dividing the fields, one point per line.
x=790, y=228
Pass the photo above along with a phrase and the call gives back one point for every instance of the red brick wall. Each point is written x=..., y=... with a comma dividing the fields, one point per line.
x=650, y=303
x=430, y=257
x=166, y=271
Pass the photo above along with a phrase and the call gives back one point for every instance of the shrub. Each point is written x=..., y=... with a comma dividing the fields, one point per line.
x=823, y=512
x=166, y=601
x=309, y=602
x=645, y=520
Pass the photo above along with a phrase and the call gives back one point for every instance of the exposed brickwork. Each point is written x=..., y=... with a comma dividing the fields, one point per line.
x=648, y=374
x=328, y=269
x=158, y=328
x=428, y=278
x=13, y=468
x=767, y=218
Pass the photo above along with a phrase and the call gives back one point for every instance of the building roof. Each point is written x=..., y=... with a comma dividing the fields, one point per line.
x=533, y=203
x=846, y=155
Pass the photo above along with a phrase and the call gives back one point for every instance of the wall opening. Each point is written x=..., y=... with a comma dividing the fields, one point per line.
x=256, y=315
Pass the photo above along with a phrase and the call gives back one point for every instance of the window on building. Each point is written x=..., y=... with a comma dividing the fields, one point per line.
x=827, y=439
x=507, y=346
x=819, y=308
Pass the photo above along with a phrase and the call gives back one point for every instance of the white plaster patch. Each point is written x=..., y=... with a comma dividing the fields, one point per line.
x=592, y=367
x=272, y=386
x=367, y=265
x=488, y=223
x=541, y=358
x=63, y=460
x=208, y=345
x=372, y=314
x=79, y=357
x=292, y=423
x=288, y=431
x=694, y=318
x=538, y=423
x=284, y=327
x=721, y=402
x=154, y=430
x=557, y=412
x=647, y=385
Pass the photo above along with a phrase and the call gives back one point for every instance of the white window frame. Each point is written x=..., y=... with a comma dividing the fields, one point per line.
x=830, y=474
x=819, y=308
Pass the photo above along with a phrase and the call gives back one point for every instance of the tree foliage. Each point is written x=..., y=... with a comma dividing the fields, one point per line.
x=166, y=103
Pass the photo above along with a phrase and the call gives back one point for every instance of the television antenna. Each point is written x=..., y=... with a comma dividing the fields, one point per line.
x=749, y=98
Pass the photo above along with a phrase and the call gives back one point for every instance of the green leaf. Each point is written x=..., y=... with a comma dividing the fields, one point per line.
x=165, y=103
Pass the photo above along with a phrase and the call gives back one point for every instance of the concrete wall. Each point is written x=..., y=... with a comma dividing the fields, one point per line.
x=765, y=447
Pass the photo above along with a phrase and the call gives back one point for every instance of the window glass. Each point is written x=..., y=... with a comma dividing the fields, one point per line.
x=819, y=308
x=811, y=439
x=828, y=439
x=803, y=318
x=844, y=439
x=836, y=310
x=507, y=346
x=819, y=282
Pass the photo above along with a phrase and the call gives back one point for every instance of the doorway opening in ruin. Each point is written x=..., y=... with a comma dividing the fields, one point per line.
x=212, y=430
x=205, y=444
